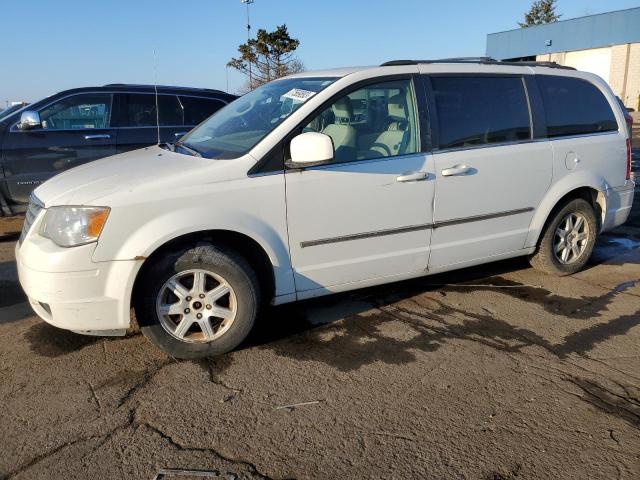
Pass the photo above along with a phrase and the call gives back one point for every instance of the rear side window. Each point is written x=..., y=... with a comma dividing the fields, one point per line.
x=574, y=107
x=197, y=110
x=475, y=111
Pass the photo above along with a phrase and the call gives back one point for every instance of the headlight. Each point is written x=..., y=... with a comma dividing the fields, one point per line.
x=72, y=226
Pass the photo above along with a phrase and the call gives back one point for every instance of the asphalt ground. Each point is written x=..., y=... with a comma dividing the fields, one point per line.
x=497, y=372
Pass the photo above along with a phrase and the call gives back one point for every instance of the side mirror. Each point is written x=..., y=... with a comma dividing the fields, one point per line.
x=311, y=148
x=29, y=119
x=178, y=136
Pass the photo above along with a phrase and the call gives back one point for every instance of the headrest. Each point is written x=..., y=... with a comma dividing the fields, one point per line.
x=342, y=110
x=398, y=107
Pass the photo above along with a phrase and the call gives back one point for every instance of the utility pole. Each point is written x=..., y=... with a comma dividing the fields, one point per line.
x=247, y=3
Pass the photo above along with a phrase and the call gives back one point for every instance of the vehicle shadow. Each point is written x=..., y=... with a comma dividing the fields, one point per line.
x=308, y=330
x=49, y=341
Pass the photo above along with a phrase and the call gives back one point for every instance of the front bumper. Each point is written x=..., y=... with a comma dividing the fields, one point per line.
x=619, y=201
x=70, y=291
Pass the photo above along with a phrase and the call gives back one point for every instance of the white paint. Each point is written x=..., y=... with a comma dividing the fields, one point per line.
x=311, y=147
x=500, y=178
x=352, y=198
x=156, y=195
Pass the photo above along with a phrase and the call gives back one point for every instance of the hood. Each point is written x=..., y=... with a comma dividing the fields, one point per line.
x=139, y=171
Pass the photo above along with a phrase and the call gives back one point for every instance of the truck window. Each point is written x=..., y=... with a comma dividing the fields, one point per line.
x=197, y=110
x=78, y=112
x=139, y=110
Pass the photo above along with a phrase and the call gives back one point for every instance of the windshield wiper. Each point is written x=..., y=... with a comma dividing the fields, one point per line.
x=167, y=146
x=191, y=150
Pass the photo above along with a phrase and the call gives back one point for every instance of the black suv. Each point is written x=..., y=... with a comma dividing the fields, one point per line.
x=84, y=124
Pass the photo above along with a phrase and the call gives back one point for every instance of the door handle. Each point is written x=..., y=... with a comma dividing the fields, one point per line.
x=457, y=170
x=412, y=177
x=97, y=136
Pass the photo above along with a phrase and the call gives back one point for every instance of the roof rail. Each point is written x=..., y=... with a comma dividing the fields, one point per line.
x=394, y=63
x=536, y=64
x=139, y=85
x=478, y=60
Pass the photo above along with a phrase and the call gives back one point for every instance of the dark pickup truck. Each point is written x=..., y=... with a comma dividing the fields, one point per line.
x=84, y=124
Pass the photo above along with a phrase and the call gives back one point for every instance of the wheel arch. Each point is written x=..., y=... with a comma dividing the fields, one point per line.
x=589, y=188
x=243, y=244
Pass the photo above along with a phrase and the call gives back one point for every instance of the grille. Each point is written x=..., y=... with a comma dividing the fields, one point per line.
x=35, y=207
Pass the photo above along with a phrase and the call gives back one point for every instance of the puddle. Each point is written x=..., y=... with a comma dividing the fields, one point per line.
x=609, y=246
x=626, y=243
x=625, y=286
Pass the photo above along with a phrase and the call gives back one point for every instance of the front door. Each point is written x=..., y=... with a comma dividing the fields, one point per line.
x=367, y=214
x=74, y=130
x=491, y=175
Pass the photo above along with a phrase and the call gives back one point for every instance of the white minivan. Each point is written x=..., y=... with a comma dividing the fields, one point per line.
x=328, y=181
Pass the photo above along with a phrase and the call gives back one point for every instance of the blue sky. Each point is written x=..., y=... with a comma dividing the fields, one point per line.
x=50, y=46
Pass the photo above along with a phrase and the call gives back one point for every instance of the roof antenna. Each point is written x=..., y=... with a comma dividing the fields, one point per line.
x=155, y=88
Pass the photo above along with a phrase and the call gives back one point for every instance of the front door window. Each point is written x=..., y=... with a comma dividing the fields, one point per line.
x=78, y=112
x=373, y=122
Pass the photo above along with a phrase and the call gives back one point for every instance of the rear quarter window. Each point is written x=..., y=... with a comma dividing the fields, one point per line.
x=198, y=109
x=574, y=107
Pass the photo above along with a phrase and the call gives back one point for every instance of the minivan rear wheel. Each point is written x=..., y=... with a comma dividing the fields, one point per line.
x=198, y=302
x=567, y=240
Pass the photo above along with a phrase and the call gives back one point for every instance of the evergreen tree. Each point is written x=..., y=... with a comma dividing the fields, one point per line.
x=542, y=11
x=268, y=56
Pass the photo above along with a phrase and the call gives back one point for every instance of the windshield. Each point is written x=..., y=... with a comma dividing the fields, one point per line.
x=238, y=127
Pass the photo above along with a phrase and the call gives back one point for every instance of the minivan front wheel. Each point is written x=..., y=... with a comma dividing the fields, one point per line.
x=198, y=302
x=196, y=306
x=568, y=239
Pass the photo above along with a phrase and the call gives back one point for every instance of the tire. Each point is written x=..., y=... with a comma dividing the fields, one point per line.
x=546, y=260
x=168, y=297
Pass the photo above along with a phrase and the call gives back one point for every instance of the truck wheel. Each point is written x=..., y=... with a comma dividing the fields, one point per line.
x=567, y=240
x=198, y=302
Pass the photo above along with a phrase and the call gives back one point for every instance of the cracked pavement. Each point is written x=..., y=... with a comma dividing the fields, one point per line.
x=498, y=372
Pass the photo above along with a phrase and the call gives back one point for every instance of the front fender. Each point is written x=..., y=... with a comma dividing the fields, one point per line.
x=559, y=190
x=254, y=207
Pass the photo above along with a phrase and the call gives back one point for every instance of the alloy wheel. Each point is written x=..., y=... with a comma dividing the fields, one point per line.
x=196, y=306
x=571, y=238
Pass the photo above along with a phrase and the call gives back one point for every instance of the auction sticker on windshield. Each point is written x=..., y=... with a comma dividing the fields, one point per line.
x=299, y=94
